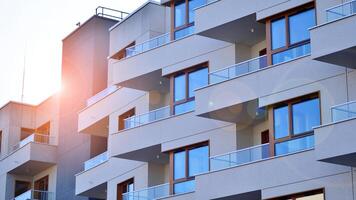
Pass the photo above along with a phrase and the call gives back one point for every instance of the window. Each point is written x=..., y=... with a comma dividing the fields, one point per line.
x=310, y=195
x=125, y=187
x=126, y=115
x=184, y=16
x=187, y=163
x=42, y=133
x=289, y=34
x=40, y=188
x=25, y=132
x=184, y=84
x=21, y=187
x=293, y=124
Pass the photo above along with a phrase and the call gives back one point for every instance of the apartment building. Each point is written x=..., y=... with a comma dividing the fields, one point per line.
x=227, y=100
x=41, y=150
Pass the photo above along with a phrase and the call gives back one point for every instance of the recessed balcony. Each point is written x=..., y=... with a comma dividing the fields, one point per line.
x=339, y=32
x=340, y=131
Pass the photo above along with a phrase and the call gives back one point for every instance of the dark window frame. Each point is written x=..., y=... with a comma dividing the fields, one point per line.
x=285, y=15
x=120, y=187
x=291, y=135
x=186, y=73
x=187, y=24
x=123, y=116
x=185, y=149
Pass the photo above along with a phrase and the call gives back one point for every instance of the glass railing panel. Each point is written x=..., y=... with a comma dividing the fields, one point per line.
x=149, y=117
x=148, y=45
x=38, y=138
x=341, y=11
x=97, y=160
x=35, y=195
x=238, y=70
x=184, y=187
x=240, y=157
x=291, y=54
x=294, y=145
x=344, y=111
x=99, y=96
x=184, y=32
x=151, y=193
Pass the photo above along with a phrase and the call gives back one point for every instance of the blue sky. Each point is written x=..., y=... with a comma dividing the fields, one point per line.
x=33, y=31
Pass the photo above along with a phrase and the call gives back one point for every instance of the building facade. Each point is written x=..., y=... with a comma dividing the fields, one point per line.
x=206, y=99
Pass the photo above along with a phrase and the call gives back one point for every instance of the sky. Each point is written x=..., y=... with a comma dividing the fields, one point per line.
x=31, y=33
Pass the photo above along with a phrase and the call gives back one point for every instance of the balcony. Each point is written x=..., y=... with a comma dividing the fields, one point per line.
x=31, y=155
x=97, y=160
x=35, y=194
x=340, y=34
x=94, y=119
x=250, y=173
x=340, y=131
x=147, y=69
x=156, y=192
x=162, y=133
x=238, y=21
x=247, y=87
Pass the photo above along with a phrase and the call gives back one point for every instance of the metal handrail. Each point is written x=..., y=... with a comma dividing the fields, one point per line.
x=239, y=150
x=100, y=11
x=234, y=65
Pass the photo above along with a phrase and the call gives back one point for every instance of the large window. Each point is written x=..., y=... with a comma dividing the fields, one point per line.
x=188, y=162
x=184, y=84
x=123, y=117
x=289, y=34
x=293, y=124
x=184, y=16
x=310, y=195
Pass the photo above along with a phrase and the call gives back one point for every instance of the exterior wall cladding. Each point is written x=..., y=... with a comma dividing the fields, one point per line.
x=195, y=99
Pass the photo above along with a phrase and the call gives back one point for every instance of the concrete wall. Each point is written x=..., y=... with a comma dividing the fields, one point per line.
x=83, y=75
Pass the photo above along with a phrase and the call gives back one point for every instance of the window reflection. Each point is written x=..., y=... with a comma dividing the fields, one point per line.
x=279, y=33
x=198, y=160
x=306, y=115
x=281, y=122
x=193, y=4
x=197, y=79
x=179, y=165
x=299, y=25
x=179, y=87
x=179, y=14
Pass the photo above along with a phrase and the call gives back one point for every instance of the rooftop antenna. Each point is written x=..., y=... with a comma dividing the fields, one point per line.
x=23, y=75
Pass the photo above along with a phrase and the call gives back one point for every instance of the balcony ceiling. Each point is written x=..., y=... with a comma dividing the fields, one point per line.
x=150, y=154
x=31, y=168
x=148, y=82
x=98, y=192
x=245, y=30
x=255, y=195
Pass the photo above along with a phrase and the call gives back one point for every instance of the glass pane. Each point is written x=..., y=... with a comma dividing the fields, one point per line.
x=306, y=115
x=291, y=54
x=192, y=5
x=278, y=29
x=198, y=160
x=179, y=14
x=130, y=187
x=184, y=32
x=343, y=112
x=179, y=87
x=184, y=187
x=295, y=145
x=184, y=107
x=197, y=79
x=281, y=122
x=179, y=165
x=299, y=25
